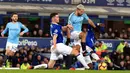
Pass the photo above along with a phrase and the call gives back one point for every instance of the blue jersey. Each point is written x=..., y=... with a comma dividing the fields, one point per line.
x=56, y=29
x=90, y=37
x=14, y=31
x=76, y=21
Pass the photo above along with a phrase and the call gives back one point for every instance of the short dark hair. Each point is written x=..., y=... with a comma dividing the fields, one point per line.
x=14, y=14
x=52, y=15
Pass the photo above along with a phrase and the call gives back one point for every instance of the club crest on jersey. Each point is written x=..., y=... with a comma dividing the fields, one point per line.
x=56, y=31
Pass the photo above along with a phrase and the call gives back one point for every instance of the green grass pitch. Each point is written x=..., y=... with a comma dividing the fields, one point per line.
x=62, y=71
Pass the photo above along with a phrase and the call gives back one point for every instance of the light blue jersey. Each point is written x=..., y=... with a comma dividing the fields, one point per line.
x=76, y=21
x=14, y=31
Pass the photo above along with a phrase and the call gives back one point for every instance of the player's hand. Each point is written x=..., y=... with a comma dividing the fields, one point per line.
x=21, y=34
x=2, y=35
x=70, y=27
x=53, y=48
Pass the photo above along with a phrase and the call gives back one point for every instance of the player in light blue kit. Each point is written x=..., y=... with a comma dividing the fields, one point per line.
x=76, y=19
x=58, y=47
x=14, y=32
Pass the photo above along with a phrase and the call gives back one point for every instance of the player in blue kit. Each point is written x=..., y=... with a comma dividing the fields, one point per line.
x=14, y=32
x=91, y=39
x=58, y=47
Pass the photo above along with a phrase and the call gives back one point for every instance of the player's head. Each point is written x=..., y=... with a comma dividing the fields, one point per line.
x=80, y=9
x=54, y=17
x=14, y=17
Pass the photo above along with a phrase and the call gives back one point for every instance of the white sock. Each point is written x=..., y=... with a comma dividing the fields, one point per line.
x=95, y=56
x=82, y=60
x=41, y=65
x=88, y=59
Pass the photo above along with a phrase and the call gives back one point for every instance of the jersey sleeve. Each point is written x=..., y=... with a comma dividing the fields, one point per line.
x=24, y=27
x=85, y=16
x=6, y=29
x=69, y=19
x=54, y=31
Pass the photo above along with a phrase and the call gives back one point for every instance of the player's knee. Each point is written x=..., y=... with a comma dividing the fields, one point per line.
x=11, y=53
x=7, y=52
x=75, y=52
x=77, y=47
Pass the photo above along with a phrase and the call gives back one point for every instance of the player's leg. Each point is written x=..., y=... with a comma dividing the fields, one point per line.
x=88, y=61
x=54, y=56
x=7, y=56
x=68, y=36
x=79, y=56
x=82, y=36
x=64, y=49
x=92, y=53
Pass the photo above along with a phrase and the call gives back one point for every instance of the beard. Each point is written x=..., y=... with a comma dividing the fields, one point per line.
x=79, y=14
x=14, y=20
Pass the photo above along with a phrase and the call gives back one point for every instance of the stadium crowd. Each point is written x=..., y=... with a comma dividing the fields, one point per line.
x=109, y=34
x=26, y=56
x=31, y=56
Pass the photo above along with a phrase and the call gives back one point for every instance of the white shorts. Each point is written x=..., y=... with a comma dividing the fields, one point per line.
x=11, y=46
x=75, y=35
x=89, y=49
x=76, y=38
x=60, y=49
x=88, y=59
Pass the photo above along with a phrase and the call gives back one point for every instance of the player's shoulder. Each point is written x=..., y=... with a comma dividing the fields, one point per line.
x=84, y=14
x=71, y=14
x=19, y=23
x=9, y=23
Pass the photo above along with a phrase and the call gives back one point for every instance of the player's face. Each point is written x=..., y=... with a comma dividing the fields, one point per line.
x=80, y=12
x=57, y=18
x=14, y=18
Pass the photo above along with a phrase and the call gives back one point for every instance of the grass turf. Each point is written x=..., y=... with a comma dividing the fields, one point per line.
x=62, y=71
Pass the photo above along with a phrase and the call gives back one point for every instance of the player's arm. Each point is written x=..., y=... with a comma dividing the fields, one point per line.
x=64, y=28
x=25, y=29
x=54, y=41
x=4, y=31
x=70, y=22
x=89, y=20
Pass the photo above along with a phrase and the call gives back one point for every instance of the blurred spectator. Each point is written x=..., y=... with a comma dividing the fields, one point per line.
x=110, y=31
x=36, y=28
x=123, y=30
x=116, y=33
x=34, y=34
x=121, y=61
x=121, y=36
x=1, y=28
x=16, y=59
x=47, y=35
x=128, y=62
x=126, y=50
x=25, y=64
x=30, y=59
x=100, y=48
x=40, y=33
x=105, y=36
x=128, y=32
x=1, y=61
x=27, y=34
x=120, y=47
x=125, y=36
x=22, y=54
x=112, y=35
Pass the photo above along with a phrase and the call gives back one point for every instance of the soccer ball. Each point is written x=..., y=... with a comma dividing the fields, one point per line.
x=102, y=66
